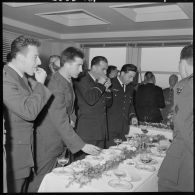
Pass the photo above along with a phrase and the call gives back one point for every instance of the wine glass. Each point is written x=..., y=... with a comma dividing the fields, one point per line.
x=119, y=174
x=64, y=159
x=117, y=141
x=128, y=137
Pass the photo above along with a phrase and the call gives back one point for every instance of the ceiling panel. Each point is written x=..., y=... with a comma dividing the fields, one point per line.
x=56, y=20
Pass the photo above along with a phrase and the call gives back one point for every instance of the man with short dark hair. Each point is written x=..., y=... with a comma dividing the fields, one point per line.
x=176, y=173
x=22, y=105
x=112, y=71
x=122, y=110
x=55, y=126
x=93, y=96
x=149, y=100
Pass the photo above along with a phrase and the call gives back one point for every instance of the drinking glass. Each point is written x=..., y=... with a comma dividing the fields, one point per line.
x=119, y=174
x=128, y=137
x=117, y=141
x=62, y=160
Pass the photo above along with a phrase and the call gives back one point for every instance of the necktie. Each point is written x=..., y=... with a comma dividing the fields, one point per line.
x=123, y=87
x=26, y=81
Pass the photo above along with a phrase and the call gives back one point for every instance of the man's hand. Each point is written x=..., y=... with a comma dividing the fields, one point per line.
x=108, y=83
x=102, y=80
x=91, y=149
x=40, y=75
x=72, y=123
x=134, y=121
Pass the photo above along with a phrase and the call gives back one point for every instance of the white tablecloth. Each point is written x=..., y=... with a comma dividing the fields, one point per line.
x=148, y=182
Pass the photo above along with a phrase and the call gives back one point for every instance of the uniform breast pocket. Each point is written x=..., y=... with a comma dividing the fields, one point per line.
x=130, y=100
x=115, y=92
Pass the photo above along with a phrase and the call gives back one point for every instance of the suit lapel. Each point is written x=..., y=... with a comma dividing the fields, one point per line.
x=17, y=77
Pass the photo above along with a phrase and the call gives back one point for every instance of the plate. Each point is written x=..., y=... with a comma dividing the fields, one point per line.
x=145, y=167
x=90, y=157
x=157, y=152
x=120, y=184
x=134, y=177
x=115, y=148
x=63, y=171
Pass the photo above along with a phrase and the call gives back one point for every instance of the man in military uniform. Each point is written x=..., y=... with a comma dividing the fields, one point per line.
x=168, y=97
x=122, y=109
x=92, y=98
x=23, y=102
x=177, y=171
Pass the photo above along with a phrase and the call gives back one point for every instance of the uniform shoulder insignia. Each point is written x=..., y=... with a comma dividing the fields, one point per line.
x=179, y=90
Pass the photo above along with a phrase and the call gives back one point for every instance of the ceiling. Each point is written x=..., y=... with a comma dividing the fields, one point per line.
x=94, y=22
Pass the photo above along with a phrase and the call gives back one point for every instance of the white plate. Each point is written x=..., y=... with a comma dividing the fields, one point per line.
x=145, y=167
x=90, y=157
x=134, y=177
x=120, y=185
x=66, y=171
x=156, y=152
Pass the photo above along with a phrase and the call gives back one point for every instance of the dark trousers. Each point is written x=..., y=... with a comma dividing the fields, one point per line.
x=16, y=185
x=43, y=167
x=81, y=155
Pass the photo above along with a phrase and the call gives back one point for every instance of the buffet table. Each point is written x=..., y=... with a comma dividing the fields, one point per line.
x=140, y=180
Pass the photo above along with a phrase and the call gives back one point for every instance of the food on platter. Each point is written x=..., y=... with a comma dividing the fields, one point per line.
x=145, y=167
x=66, y=171
x=120, y=184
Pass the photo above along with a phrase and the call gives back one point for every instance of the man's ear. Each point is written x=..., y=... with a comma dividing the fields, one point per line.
x=20, y=57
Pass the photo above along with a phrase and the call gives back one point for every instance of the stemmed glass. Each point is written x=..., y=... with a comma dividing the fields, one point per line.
x=117, y=141
x=128, y=137
x=119, y=174
x=64, y=159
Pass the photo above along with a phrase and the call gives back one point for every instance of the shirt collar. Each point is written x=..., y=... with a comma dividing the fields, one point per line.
x=92, y=76
x=13, y=67
x=120, y=81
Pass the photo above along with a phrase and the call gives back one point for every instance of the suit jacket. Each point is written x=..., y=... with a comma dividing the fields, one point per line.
x=22, y=105
x=177, y=166
x=122, y=109
x=149, y=99
x=54, y=131
x=92, y=100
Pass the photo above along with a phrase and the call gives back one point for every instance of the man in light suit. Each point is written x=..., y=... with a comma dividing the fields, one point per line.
x=177, y=170
x=93, y=97
x=55, y=129
x=22, y=104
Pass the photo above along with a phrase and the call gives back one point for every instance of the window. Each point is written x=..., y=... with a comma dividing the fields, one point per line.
x=162, y=61
x=115, y=56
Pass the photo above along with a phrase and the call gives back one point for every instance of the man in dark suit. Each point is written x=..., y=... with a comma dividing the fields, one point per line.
x=112, y=71
x=168, y=96
x=176, y=173
x=22, y=105
x=122, y=109
x=149, y=100
x=55, y=129
x=92, y=98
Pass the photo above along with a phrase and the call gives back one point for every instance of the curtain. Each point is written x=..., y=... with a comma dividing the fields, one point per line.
x=134, y=57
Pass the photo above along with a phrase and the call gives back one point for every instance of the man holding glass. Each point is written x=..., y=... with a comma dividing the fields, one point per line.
x=122, y=109
x=55, y=126
x=176, y=173
x=22, y=105
x=93, y=96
